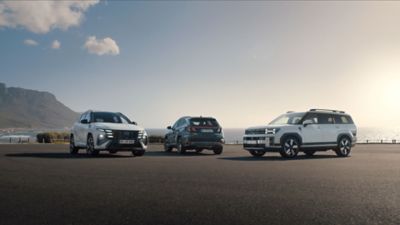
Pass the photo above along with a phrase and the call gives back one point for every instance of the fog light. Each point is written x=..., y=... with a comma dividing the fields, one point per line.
x=101, y=136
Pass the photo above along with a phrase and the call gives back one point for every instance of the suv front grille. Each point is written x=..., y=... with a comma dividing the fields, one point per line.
x=255, y=131
x=125, y=135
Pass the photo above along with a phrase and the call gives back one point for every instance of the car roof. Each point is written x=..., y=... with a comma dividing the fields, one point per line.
x=335, y=112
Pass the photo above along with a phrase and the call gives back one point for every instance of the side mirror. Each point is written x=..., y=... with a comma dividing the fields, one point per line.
x=84, y=121
x=134, y=123
x=307, y=122
x=169, y=128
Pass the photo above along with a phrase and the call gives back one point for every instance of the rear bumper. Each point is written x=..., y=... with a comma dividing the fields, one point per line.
x=203, y=144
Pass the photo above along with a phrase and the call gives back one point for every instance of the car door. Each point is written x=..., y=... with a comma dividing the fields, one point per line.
x=179, y=129
x=75, y=130
x=83, y=129
x=172, y=136
x=311, y=133
x=327, y=127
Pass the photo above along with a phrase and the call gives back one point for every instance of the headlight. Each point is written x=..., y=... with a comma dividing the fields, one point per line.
x=272, y=130
x=108, y=133
x=142, y=134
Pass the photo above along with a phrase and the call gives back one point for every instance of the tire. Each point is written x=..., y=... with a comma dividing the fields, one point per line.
x=290, y=147
x=344, y=147
x=90, y=150
x=73, y=150
x=179, y=146
x=309, y=153
x=218, y=151
x=167, y=148
x=257, y=153
x=137, y=152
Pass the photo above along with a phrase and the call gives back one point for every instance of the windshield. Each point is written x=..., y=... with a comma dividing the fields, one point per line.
x=289, y=118
x=109, y=117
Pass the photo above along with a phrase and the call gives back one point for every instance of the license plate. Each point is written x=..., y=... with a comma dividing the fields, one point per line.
x=254, y=142
x=126, y=142
x=207, y=130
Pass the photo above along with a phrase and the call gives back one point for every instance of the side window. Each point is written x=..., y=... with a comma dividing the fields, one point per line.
x=339, y=119
x=178, y=123
x=311, y=116
x=349, y=119
x=181, y=122
x=324, y=118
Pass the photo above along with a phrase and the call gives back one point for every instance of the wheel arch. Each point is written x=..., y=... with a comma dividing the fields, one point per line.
x=286, y=135
x=341, y=135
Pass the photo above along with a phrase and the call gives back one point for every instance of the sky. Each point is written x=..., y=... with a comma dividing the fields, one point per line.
x=243, y=63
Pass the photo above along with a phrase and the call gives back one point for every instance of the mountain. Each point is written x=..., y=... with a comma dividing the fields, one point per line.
x=24, y=108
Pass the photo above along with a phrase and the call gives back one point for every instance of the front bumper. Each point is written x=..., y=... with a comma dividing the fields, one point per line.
x=113, y=143
x=260, y=142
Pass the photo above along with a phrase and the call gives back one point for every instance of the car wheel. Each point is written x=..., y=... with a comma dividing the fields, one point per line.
x=167, y=147
x=73, y=150
x=344, y=147
x=309, y=153
x=137, y=152
x=290, y=147
x=218, y=151
x=90, y=150
x=181, y=149
x=257, y=153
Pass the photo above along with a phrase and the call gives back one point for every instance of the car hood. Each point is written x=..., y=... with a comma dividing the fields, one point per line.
x=117, y=126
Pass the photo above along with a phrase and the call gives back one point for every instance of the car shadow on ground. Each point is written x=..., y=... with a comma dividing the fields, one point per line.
x=176, y=154
x=278, y=158
x=63, y=155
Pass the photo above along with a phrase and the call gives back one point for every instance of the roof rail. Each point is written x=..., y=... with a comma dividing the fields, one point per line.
x=327, y=110
x=290, y=112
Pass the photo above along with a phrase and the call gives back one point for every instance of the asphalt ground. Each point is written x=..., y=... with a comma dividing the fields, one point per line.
x=43, y=184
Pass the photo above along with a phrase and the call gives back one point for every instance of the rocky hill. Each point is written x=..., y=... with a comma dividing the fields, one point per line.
x=24, y=108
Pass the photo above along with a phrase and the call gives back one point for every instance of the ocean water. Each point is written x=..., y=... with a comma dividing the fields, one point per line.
x=370, y=134
x=232, y=135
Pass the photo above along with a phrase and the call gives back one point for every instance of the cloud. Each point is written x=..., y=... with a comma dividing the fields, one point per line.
x=56, y=44
x=43, y=16
x=30, y=42
x=101, y=46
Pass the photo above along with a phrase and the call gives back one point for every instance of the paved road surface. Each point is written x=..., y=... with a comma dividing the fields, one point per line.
x=43, y=184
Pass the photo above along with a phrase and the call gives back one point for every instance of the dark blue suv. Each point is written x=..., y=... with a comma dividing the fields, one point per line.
x=194, y=133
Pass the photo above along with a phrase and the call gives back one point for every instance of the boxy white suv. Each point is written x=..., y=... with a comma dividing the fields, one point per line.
x=311, y=131
x=107, y=131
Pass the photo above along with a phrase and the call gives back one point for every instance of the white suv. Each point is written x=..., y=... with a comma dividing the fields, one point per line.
x=107, y=131
x=315, y=130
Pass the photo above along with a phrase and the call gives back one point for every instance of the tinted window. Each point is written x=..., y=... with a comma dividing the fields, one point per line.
x=106, y=117
x=343, y=119
x=204, y=122
x=181, y=122
x=324, y=118
x=311, y=116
